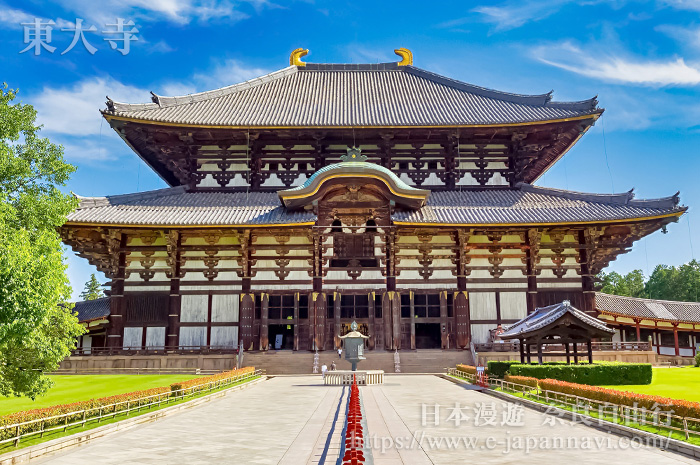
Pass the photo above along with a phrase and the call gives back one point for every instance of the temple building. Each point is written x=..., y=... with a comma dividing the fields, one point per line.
x=320, y=194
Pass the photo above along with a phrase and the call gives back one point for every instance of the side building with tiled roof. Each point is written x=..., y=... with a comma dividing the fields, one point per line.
x=322, y=194
x=672, y=327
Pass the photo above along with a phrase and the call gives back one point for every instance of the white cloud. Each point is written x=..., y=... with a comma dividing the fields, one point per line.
x=12, y=17
x=74, y=110
x=619, y=68
x=225, y=74
x=693, y=5
x=514, y=14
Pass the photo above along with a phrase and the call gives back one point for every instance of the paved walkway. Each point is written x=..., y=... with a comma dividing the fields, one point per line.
x=296, y=420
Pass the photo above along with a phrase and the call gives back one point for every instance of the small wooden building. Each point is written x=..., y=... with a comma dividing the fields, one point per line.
x=560, y=325
x=320, y=194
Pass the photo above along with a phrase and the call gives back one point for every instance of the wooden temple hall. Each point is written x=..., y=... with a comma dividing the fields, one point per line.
x=320, y=194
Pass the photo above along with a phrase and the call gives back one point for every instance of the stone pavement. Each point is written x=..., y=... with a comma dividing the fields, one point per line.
x=297, y=420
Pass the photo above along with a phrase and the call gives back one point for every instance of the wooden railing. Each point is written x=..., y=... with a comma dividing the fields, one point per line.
x=661, y=420
x=40, y=426
x=597, y=346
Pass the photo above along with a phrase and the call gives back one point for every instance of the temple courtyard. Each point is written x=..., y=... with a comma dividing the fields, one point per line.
x=411, y=419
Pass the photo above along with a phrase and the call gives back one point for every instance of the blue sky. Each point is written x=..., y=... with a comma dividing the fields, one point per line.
x=642, y=59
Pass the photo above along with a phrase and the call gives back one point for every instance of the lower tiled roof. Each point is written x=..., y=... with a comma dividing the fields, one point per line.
x=92, y=309
x=662, y=310
x=544, y=316
x=523, y=204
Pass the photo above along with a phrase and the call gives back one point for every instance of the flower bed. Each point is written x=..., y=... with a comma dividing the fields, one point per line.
x=678, y=407
x=522, y=381
x=203, y=383
x=467, y=369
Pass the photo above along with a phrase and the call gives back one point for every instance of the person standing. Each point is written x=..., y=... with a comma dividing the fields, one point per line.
x=324, y=369
x=340, y=352
x=333, y=367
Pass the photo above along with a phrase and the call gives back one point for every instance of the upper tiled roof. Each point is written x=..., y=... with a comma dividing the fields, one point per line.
x=527, y=204
x=663, y=310
x=327, y=95
x=524, y=204
x=544, y=316
x=92, y=309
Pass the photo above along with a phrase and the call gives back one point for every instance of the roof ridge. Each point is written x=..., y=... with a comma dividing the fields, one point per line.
x=623, y=198
x=164, y=101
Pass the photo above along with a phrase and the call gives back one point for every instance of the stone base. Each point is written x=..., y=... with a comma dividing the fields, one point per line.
x=627, y=356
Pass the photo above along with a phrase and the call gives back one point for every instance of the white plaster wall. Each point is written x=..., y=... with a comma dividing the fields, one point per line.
x=155, y=336
x=193, y=336
x=224, y=308
x=133, y=335
x=480, y=333
x=513, y=305
x=482, y=305
x=224, y=336
x=194, y=308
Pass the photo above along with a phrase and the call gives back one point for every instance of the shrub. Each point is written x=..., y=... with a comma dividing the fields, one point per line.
x=203, y=383
x=596, y=374
x=679, y=407
x=697, y=359
x=523, y=380
x=498, y=369
x=467, y=368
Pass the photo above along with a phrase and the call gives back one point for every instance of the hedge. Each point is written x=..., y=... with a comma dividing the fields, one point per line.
x=678, y=407
x=596, y=375
x=523, y=380
x=467, y=368
x=498, y=369
x=202, y=383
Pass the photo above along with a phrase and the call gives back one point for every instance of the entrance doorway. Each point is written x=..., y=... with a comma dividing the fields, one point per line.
x=428, y=336
x=281, y=337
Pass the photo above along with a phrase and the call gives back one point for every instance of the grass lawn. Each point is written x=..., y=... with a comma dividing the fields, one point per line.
x=676, y=383
x=73, y=388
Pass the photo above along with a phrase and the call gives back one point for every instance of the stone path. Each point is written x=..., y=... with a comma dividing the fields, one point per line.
x=296, y=420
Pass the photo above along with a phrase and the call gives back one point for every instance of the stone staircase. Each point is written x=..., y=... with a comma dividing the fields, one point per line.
x=285, y=362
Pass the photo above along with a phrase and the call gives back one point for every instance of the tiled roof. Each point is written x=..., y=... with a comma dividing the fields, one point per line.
x=524, y=204
x=529, y=204
x=663, y=310
x=174, y=206
x=327, y=95
x=542, y=317
x=92, y=309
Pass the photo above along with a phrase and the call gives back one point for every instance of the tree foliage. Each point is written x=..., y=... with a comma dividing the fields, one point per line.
x=93, y=289
x=37, y=328
x=680, y=283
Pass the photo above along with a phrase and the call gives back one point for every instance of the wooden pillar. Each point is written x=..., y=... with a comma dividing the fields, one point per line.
x=539, y=352
x=296, y=321
x=589, y=347
x=527, y=350
x=568, y=354
x=413, y=321
x=462, y=320
x=444, y=341
x=174, y=305
x=531, y=255
x=247, y=315
x=115, y=331
x=264, y=314
x=575, y=344
x=317, y=316
x=522, y=351
x=371, y=327
x=639, y=333
x=675, y=340
x=336, y=319
x=586, y=276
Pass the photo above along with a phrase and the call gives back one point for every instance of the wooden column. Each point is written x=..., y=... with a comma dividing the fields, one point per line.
x=639, y=332
x=372, y=335
x=528, y=352
x=522, y=351
x=387, y=317
x=336, y=320
x=589, y=347
x=531, y=257
x=675, y=340
x=296, y=321
x=264, y=329
x=115, y=331
x=173, y=330
x=539, y=352
x=317, y=317
x=391, y=304
x=444, y=339
x=247, y=315
x=575, y=344
x=586, y=276
x=568, y=354
x=462, y=320
x=413, y=321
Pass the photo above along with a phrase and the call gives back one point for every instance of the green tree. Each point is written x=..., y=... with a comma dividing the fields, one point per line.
x=37, y=328
x=93, y=289
x=631, y=285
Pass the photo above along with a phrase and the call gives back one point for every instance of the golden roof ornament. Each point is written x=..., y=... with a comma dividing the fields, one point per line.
x=406, y=56
x=353, y=154
x=295, y=57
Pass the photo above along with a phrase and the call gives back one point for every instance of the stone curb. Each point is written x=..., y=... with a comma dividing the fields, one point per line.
x=78, y=439
x=673, y=445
